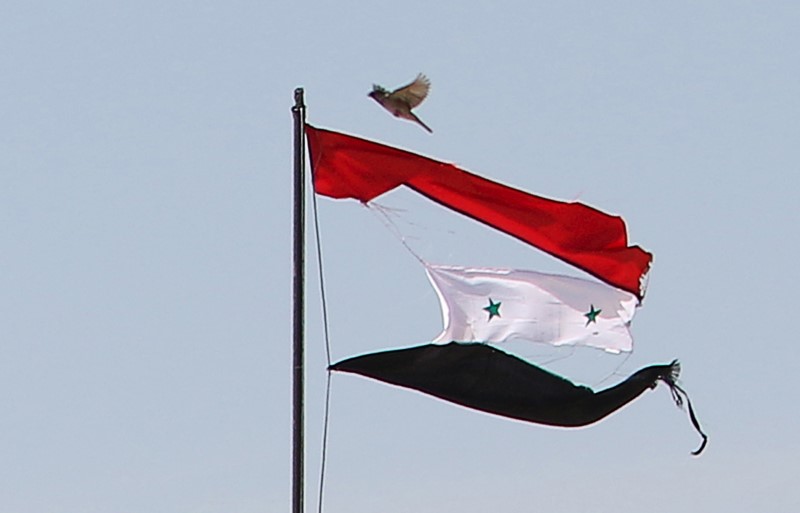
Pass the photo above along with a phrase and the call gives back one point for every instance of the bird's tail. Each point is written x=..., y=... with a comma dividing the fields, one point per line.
x=419, y=121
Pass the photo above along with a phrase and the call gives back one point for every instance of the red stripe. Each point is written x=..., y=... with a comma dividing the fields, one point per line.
x=350, y=167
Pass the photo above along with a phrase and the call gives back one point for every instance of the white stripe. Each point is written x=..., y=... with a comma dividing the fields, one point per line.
x=534, y=306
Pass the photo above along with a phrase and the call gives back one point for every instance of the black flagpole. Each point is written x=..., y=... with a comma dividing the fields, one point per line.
x=299, y=111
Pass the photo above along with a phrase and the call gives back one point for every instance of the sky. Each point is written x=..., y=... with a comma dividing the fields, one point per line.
x=145, y=250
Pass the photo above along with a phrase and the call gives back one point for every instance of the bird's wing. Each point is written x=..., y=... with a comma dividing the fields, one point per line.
x=415, y=92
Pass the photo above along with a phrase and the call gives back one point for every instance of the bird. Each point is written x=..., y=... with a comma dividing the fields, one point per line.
x=400, y=101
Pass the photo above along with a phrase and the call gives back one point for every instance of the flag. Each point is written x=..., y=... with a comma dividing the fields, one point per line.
x=495, y=305
x=344, y=166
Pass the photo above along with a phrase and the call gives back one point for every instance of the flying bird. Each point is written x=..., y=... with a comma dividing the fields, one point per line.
x=400, y=101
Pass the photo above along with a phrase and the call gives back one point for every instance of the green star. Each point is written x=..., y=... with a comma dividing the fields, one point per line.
x=591, y=315
x=493, y=308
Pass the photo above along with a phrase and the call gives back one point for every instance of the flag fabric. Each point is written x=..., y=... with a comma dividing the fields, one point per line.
x=344, y=166
x=485, y=378
x=496, y=305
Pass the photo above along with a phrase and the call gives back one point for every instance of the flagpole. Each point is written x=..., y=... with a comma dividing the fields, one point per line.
x=298, y=455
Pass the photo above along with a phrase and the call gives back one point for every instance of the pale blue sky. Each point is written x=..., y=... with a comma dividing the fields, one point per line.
x=145, y=224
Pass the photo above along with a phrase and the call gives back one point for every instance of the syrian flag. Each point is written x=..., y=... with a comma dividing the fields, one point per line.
x=349, y=167
x=497, y=305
